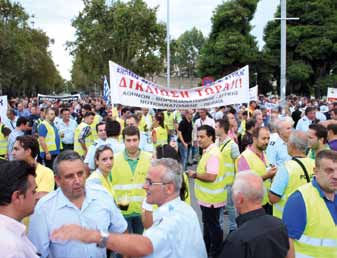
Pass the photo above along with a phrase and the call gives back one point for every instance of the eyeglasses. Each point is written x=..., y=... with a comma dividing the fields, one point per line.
x=150, y=183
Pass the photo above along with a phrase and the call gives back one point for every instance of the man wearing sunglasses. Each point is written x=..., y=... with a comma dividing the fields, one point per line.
x=175, y=231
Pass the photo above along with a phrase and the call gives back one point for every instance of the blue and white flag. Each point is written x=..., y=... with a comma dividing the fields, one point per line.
x=106, y=91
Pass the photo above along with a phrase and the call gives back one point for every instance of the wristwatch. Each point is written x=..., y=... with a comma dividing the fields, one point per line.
x=104, y=239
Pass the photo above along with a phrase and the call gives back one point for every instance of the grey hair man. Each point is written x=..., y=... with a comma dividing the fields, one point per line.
x=293, y=173
x=169, y=236
x=258, y=234
x=76, y=203
x=276, y=151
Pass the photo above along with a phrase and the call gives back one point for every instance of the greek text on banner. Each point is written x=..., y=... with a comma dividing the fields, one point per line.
x=128, y=88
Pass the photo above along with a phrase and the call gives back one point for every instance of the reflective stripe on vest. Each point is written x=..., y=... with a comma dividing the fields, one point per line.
x=128, y=187
x=318, y=241
x=209, y=191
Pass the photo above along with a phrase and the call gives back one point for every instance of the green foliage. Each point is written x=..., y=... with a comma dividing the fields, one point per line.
x=311, y=45
x=186, y=50
x=230, y=45
x=126, y=33
x=26, y=67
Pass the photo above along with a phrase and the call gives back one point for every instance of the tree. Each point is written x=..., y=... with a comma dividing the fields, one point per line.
x=26, y=67
x=311, y=45
x=230, y=45
x=126, y=33
x=186, y=51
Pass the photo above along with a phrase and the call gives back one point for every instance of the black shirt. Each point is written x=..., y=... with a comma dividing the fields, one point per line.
x=186, y=129
x=259, y=235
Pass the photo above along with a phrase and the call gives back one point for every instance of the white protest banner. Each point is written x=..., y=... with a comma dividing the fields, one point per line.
x=253, y=93
x=53, y=98
x=3, y=108
x=127, y=88
x=332, y=94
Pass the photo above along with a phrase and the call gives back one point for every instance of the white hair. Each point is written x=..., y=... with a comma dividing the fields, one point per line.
x=250, y=185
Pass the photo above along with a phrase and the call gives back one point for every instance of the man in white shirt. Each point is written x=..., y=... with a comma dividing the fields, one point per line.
x=17, y=200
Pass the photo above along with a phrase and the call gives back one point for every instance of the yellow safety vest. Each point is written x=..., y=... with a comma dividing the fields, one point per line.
x=161, y=135
x=3, y=142
x=124, y=182
x=50, y=138
x=211, y=192
x=296, y=179
x=89, y=140
x=226, y=150
x=103, y=181
x=188, y=199
x=169, y=120
x=259, y=167
x=97, y=118
x=319, y=238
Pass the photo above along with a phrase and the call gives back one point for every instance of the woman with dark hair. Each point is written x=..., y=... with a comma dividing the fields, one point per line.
x=166, y=151
x=104, y=162
x=159, y=133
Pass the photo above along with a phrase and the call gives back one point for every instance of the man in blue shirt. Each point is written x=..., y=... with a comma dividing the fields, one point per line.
x=175, y=231
x=307, y=119
x=277, y=152
x=73, y=203
x=66, y=128
x=296, y=215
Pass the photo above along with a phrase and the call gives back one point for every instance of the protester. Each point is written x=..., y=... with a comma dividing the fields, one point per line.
x=17, y=200
x=176, y=232
x=310, y=213
x=75, y=203
x=293, y=173
x=127, y=177
x=49, y=139
x=259, y=235
x=209, y=188
x=254, y=159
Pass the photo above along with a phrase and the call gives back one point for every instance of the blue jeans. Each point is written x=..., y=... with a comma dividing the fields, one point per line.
x=184, y=154
x=231, y=209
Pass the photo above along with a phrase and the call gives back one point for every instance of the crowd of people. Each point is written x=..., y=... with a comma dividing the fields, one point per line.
x=82, y=179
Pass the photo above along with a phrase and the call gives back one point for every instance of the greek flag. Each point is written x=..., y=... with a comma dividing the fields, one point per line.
x=106, y=91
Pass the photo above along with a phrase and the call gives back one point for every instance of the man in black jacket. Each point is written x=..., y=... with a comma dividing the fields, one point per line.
x=259, y=235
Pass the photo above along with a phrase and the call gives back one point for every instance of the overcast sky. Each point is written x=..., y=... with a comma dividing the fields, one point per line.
x=54, y=17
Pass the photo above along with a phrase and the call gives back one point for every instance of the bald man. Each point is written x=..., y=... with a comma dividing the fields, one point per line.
x=259, y=235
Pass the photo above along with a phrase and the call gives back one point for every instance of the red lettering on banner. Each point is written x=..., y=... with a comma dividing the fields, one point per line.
x=218, y=88
x=149, y=89
x=164, y=92
x=199, y=92
x=139, y=87
x=240, y=82
x=156, y=90
x=209, y=91
x=131, y=84
x=226, y=87
x=174, y=94
x=122, y=83
x=184, y=94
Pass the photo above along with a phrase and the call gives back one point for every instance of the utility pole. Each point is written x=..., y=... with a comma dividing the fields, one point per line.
x=168, y=43
x=283, y=72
